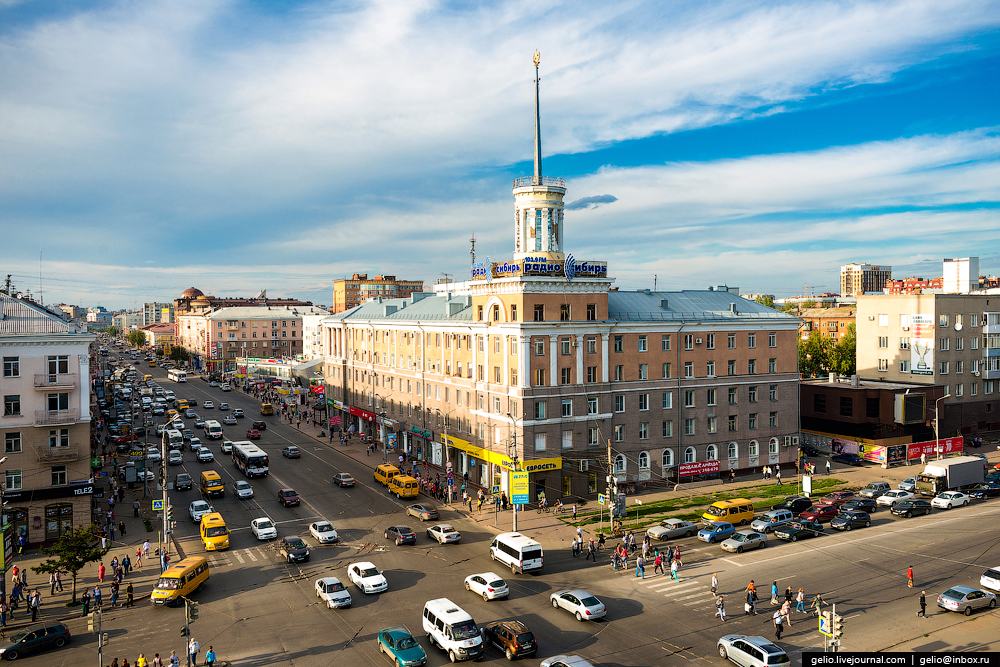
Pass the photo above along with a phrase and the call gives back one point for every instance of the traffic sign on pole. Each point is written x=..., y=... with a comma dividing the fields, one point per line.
x=602, y=499
x=495, y=490
x=157, y=505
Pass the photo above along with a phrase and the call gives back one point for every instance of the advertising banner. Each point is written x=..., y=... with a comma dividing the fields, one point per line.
x=8, y=548
x=948, y=446
x=921, y=344
x=697, y=468
x=519, y=488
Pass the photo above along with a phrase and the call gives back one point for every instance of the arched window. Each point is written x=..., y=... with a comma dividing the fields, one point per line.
x=667, y=458
x=643, y=460
x=690, y=456
x=753, y=448
x=772, y=446
x=734, y=450
x=711, y=453
x=620, y=463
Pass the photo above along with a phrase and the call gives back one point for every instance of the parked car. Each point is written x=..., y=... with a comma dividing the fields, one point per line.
x=263, y=529
x=836, y=498
x=288, y=497
x=401, y=535
x=874, y=490
x=748, y=651
x=488, y=584
x=333, y=593
x=744, y=540
x=293, y=549
x=291, y=452
x=716, y=532
x=794, y=504
x=443, y=533
x=820, y=513
x=849, y=459
x=367, y=577
x=985, y=490
x=848, y=519
x=950, y=499
x=860, y=505
x=672, y=529
x=324, y=532
x=799, y=530
x=908, y=484
x=891, y=497
x=423, y=511
x=343, y=479
x=583, y=605
x=771, y=520
x=912, y=507
x=35, y=639
x=512, y=637
x=565, y=661
x=966, y=599
x=401, y=647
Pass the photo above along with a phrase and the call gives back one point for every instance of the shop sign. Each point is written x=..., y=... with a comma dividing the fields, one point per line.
x=426, y=435
x=364, y=414
x=42, y=494
x=519, y=488
x=542, y=266
x=698, y=468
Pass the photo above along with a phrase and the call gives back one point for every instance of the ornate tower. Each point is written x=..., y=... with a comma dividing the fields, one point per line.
x=538, y=204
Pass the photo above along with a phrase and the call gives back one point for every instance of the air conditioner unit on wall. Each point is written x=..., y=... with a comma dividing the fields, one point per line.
x=584, y=465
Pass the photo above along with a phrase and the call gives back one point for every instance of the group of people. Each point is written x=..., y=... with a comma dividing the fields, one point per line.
x=19, y=593
x=173, y=660
x=667, y=559
x=782, y=616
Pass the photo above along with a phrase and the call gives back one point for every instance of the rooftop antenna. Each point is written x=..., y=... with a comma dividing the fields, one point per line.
x=654, y=282
x=41, y=295
x=472, y=250
x=537, y=58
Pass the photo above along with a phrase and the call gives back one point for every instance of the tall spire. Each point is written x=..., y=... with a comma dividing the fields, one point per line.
x=538, y=129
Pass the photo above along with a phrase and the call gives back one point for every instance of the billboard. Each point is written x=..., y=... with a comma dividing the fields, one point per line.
x=699, y=468
x=921, y=344
x=519, y=488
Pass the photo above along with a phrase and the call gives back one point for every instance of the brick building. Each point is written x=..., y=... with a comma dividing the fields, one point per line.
x=348, y=293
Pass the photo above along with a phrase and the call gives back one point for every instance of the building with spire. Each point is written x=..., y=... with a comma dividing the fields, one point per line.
x=538, y=364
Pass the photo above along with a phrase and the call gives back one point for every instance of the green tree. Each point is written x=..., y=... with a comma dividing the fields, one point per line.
x=765, y=300
x=178, y=353
x=808, y=304
x=72, y=551
x=843, y=356
x=814, y=354
x=136, y=338
x=112, y=331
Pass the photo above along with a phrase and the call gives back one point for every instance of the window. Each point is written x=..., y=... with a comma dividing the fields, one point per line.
x=12, y=405
x=751, y=340
x=539, y=409
x=733, y=451
x=513, y=312
x=643, y=432
x=733, y=425
x=772, y=339
x=846, y=406
x=496, y=407
x=689, y=398
x=564, y=312
x=688, y=427
x=883, y=320
x=567, y=439
x=751, y=366
x=620, y=403
x=481, y=374
x=643, y=371
x=959, y=389
x=566, y=375
x=666, y=371
x=773, y=420
x=943, y=368
x=591, y=373
x=883, y=342
x=667, y=458
x=752, y=448
x=668, y=400
x=752, y=420
x=904, y=343
x=13, y=479
x=643, y=460
x=688, y=341
x=731, y=367
x=819, y=403
x=974, y=343
x=974, y=388
x=690, y=456
x=712, y=425
x=710, y=369
x=591, y=312
x=619, y=344
x=945, y=343
x=904, y=365
x=642, y=344
x=710, y=396
x=619, y=433
x=591, y=345
x=752, y=394
x=772, y=365
x=12, y=442
x=539, y=442
x=59, y=437
x=959, y=343
x=11, y=367
x=619, y=373
x=711, y=453
x=668, y=428
x=59, y=364
x=665, y=343
x=592, y=405
x=497, y=378
x=732, y=396
x=539, y=377
x=592, y=437
x=564, y=345
x=539, y=312
x=643, y=401
x=689, y=369
x=539, y=348
x=872, y=407
x=772, y=446
x=732, y=341
x=943, y=320
x=59, y=476
x=619, y=463
x=567, y=407
x=883, y=364
x=710, y=341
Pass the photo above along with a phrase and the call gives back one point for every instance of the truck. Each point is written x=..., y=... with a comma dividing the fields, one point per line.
x=950, y=475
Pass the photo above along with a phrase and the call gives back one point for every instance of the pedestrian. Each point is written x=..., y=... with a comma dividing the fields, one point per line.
x=59, y=581
x=121, y=527
x=732, y=476
x=778, y=624
x=658, y=563
x=715, y=584
x=675, y=567
x=129, y=595
x=114, y=594
x=789, y=595
x=800, y=601
x=97, y=597
x=720, y=608
x=138, y=558
x=100, y=573
x=210, y=657
x=591, y=550
x=640, y=567
x=145, y=549
x=141, y=661
x=33, y=602
x=777, y=477
x=127, y=564
x=574, y=511
x=576, y=548
x=923, y=604
x=193, y=648
x=774, y=593
x=817, y=604
x=909, y=576
x=786, y=612
x=135, y=508
x=52, y=583
x=677, y=556
x=111, y=531
x=85, y=601
x=828, y=466
x=157, y=662
x=175, y=660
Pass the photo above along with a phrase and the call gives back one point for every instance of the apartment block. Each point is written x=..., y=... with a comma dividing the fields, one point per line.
x=348, y=293
x=830, y=322
x=857, y=279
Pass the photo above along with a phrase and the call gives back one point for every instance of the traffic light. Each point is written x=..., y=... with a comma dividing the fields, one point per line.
x=838, y=626
x=192, y=611
x=104, y=639
x=91, y=622
x=184, y=631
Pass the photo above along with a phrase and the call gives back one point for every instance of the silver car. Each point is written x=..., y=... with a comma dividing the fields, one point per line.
x=966, y=599
x=242, y=489
x=580, y=603
x=744, y=540
x=752, y=651
x=444, y=534
x=672, y=529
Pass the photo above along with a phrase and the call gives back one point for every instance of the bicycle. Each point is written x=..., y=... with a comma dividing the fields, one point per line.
x=542, y=508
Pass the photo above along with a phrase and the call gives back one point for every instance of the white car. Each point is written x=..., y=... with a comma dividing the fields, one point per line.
x=367, y=577
x=242, y=489
x=195, y=444
x=205, y=455
x=223, y=406
x=444, y=534
x=263, y=529
x=331, y=591
x=891, y=497
x=580, y=603
x=227, y=446
x=950, y=499
x=208, y=405
x=324, y=532
x=198, y=509
x=229, y=420
x=908, y=484
x=488, y=584
x=226, y=387
x=153, y=454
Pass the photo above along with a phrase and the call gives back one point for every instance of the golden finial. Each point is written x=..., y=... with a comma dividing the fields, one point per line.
x=537, y=58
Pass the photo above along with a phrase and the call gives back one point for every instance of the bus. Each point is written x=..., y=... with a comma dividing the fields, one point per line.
x=250, y=459
x=177, y=375
x=213, y=430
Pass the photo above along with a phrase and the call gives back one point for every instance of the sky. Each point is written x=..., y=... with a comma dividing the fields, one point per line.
x=233, y=146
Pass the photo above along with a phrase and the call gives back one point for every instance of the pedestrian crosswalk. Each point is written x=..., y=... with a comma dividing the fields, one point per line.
x=691, y=593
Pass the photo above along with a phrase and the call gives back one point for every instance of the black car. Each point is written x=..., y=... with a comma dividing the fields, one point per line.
x=985, y=490
x=260, y=425
x=794, y=504
x=910, y=508
x=993, y=476
x=36, y=639
x=848, y=519
x=293, y=549
x=849, y=459
x=860, y=505
x=182, y=481
x=401, y=534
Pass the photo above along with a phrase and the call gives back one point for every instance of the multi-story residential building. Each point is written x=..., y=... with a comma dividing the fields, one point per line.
x=125, y=322
x=348, y=293
x=72, y=312
x=312, y=335
x=218, y=339
x=830, y=322
x=156, y=312
x=95, y=317
x=537, y=363
x=951, y=340
x=45, y=422
x=914, y=285
x=160, y=336
x=857, y=279
x=195, y=302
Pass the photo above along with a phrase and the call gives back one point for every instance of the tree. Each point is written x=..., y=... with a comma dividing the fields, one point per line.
x=136, y=338
x=178, y=353
x=765, y=300
x=808, y=304
x=843, y=356
x=72, y=551
x=112, y=331
x=814, y=354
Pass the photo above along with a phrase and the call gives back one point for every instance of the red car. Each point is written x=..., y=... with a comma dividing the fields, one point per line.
x=837, y=498
x=288, y=497
x=253, y=434
x=820, y=513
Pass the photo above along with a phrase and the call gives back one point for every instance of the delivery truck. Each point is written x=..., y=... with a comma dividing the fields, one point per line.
x=950, y=475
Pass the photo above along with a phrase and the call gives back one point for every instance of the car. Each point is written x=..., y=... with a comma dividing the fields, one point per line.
x=874, y=490
x=242, y=489
x=966, y=599
x=291, y=452
x=911, y=507
x=716, y=532
x=488, y=584
x=993, y=476
x=158, y=410
x=238, y=412
x=794, y=504
x=198, y=509
x=208, y=405
x=229, y=420
x=213, y=383
x=908, y=484
x=820, y=513
x=288, y=497
x=671, y=529
x=153, y=454
x=401, y=535
x=950, y=499
x=260, y=425
x=223, y=406
x=860, y=505
x=226, y=446
x=195, y=445
x=401, y=647
x=580, y=603
x=263, y=528
x=848, y=519
x=444, y=534
x=836, y=498
x=187, y=434
x=565, y=661
x=890, y=497
x=205, y=455
x=799, y=530
x=324, y=532
x=343, y=479
x=35, y=639
x=367, y=577
x=512, y=637
x=190, y=414
x=183, y=481
x=253, y=434
x=849, y=459
x=175, y=458
x=225, y=387
x=423, y=511
x=749, y=651
x=333, y=593
x=744, y=540
x=160, y=428
x=199, y=422
x=293, y=550
x=984, y=490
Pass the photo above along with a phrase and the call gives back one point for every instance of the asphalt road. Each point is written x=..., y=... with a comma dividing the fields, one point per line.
x=258, y=610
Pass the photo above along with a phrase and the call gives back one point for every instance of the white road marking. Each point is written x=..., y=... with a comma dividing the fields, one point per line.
x=732, y=562
x=239, y=557
x=699, y=594
x=251, y=556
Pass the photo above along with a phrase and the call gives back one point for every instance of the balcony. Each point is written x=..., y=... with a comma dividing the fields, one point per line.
x=66, y=454
x=47, y=381
x=56, y=417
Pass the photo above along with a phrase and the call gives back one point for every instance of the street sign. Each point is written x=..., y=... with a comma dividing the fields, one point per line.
x=826, y=624
x=157, y=505
x=519, y=488
x=602, y=499
x=451, y=481
x=495, y=490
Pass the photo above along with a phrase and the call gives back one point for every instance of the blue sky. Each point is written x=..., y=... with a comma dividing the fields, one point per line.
x=237, y=146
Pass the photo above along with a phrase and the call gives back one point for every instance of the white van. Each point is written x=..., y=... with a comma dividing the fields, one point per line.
x=521, y=554
x=450, y=627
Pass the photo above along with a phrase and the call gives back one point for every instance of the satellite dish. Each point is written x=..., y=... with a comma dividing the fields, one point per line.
x=958, y=326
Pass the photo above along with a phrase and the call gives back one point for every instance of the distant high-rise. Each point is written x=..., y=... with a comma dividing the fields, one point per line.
x=858, y=279
x=156, y=313
x=961, y=276
x=348, y=293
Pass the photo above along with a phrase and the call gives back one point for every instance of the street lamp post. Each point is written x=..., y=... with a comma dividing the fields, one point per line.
x=937, y=419
x=513, y=457
x=447, y=454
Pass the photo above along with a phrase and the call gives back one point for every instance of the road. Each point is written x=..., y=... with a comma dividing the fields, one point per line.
x=257, y=610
